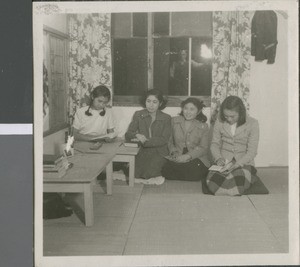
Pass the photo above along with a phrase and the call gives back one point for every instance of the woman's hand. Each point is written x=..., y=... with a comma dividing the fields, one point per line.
x=183, y=158
x=142, y=138
x=108, y=139
x=220, y=162
x=174, y=154
x=233, y=167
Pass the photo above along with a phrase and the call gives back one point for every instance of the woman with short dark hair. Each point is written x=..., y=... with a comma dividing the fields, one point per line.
x=188, y=144
x=234, y=103
x=152, y=129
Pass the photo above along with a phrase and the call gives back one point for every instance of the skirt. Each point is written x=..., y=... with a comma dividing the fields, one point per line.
x=148, y=163
x=193, y=170
x=235, y=183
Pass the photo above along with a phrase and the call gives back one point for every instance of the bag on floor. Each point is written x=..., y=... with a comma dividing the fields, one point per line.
x=54, y=207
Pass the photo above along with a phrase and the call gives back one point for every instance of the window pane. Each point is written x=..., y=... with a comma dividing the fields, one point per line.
x=139, y=24
x=191, y=23
x=201, y=66
x=161, y=23
x=121, y=25
x=171, y=67
x=130, y=66
x=179, y=66
x=161, y=64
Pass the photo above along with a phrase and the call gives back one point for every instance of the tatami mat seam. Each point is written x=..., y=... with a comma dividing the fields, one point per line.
x=271, y=231
x=136, y=208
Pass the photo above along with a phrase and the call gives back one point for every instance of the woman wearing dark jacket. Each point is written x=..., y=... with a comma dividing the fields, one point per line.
x=152, y=128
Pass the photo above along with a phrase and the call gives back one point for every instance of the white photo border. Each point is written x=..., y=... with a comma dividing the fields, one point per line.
x=41, y=9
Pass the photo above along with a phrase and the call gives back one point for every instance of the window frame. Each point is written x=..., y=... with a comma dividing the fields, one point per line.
x=133, y=101
x=65, y=38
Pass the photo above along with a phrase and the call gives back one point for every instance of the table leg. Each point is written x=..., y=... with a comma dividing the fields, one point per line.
x=131, y=161
x=109, y=178
x=88, y=204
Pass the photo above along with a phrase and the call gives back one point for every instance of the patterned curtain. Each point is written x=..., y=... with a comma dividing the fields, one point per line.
x=45, y=98
x=231, y=57
x=90, y=57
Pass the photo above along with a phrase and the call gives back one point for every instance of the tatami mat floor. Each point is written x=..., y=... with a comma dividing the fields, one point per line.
x=175, y=218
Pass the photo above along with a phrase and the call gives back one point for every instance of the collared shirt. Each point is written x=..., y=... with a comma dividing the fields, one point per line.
x=233, y=128
x=153, y=117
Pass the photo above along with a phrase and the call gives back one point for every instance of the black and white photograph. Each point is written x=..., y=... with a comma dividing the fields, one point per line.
x=166, y=133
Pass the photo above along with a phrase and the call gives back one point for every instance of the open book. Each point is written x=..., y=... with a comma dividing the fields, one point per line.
x=101, y=138
x=221, y=169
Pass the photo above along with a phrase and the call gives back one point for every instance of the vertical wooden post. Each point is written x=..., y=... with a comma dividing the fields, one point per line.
x=170, y=24
x=190, y=66
x=109, y=178
x=131, y=159
x=88, y=204
x=150, y=50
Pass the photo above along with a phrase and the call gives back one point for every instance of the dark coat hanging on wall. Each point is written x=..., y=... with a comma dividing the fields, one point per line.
x=264, y=36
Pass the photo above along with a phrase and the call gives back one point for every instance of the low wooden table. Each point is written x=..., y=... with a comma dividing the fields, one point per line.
x=122, y=154
x=82, y=176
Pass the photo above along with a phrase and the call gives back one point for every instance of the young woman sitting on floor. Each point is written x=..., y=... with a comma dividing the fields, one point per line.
x=235, y=141
x=188, y=144
x=96, y=120
x=152, y=128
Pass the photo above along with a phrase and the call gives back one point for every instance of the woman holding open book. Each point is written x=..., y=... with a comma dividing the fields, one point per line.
x=188, y=145
x=234, y=147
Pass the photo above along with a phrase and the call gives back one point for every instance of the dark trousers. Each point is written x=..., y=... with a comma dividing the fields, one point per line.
x=193, y=170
